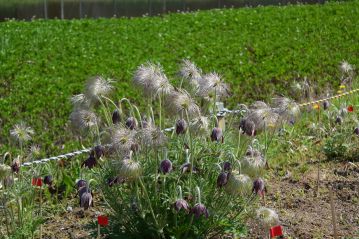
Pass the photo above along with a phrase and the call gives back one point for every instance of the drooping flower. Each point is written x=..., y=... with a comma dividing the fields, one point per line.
x=15, y=165
x=198, y=210
x=181, y=204
x=259, y=186
x=227, y=166
x=181, y=126
x=338, y=120
x=116, y=117
x=326, y=105
x=166, y=166
x=131, y=123
x=21, y=132
x=222, y=179
x=97, y=87
x=81, y=183
x=48, y=180
x=267, y=217
x=356, y=131
x=91, y=161
x=99, y=151
x=217, y=134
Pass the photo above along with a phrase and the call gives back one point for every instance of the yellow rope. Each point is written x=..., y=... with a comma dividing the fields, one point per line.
x=329, y=98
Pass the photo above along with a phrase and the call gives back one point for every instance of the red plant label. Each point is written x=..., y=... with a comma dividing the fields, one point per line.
x=276, y=231
x=36, y=182
x=350, y=108
x=102, y=220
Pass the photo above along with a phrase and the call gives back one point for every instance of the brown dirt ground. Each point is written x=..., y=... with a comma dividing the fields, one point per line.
x=304, y=209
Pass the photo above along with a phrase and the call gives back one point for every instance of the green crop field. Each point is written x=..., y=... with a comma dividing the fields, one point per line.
x=258, y=51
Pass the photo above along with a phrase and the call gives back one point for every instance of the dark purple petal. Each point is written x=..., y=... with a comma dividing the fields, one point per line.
x=131, y=123
x=81, y=183
x=356, y=131
x=199, y=210
x=181, y=126
x=259, y=186
x=90, y=162
x=166, y=166
x=326, y=105
x=15, y=166
x=216, y=134
x=222, y=179
x=116, y=117
x=181, y=204
x=338, y=120
x=48, y=180
x=227, y=167
x=99, y=151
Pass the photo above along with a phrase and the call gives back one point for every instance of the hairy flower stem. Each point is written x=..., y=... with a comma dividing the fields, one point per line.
x=239, y=142
x=150, y=206
x=105, y=112
x=160, y=110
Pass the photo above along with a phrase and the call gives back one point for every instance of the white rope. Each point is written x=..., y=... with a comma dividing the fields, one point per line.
x=223, y=112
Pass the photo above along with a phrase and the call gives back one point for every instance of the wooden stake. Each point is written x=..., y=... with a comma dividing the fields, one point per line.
x=334, y=220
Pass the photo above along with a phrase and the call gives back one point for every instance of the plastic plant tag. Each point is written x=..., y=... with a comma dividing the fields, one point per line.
x=276, y=231
x=102, y=220
x=36, y=182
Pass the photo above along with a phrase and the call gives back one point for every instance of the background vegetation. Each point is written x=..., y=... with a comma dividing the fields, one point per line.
x=258, y=51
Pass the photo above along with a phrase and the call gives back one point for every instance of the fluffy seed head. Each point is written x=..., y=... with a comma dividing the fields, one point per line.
x=4, y=171
x=21, y=132
x=286, y=108
x=267, y=217
x=238, y=184
x=211, y=86
x=97, y=87
x=179, y=102
x=199, y=126
x=345, y=67
x=80, y=101
x=83, y=119
x=190, y=72
x=151, y=79
x=130, y=169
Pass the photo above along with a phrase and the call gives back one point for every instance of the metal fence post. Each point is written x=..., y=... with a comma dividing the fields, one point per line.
x=62, y=9
x=45, y=9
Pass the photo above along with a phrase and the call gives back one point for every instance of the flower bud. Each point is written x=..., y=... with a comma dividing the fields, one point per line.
x=90, y=162
x=48, y=180
x=227, y=167
x=116, y=117
x=99, y=151
x=338, y=120
x=356, y=131
x=81, y=183
x=222, y=179
x=259, y=186
x=181, y=126
x=166, y=166
x=326, y=105
x=181, y=204
x=198, y=210
x=15, y=166
x=216, y=134
x=131, y=123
